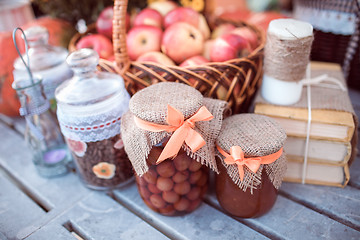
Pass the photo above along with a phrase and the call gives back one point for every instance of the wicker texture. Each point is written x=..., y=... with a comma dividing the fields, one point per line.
x=234, y=81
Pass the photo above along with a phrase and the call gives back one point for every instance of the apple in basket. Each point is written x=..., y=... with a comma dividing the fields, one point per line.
x=248, y=34
x=207, y=48
x=156, y=57
x=222, y=29
x=229, y=46
x=181, y=41
x=142, y=39
x=148, y=16
x=104, y=23
x=163, y=7
x=101, y=44
x=188, y=15
x=194, y=61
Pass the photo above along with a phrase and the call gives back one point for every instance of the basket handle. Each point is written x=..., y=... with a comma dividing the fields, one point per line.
x=122, y=60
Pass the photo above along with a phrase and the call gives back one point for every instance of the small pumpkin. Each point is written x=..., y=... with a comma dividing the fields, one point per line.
x=9, y=103
x=60, y=31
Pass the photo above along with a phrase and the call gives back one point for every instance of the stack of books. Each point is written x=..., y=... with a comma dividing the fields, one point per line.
x=332, y=139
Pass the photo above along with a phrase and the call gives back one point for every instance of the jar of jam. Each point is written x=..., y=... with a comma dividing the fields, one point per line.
x=251, y=164
x=169, y=135
x=174, y=186
x=90, y=107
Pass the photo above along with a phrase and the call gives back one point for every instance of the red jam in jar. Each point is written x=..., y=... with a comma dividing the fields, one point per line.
x=245, y=204
x=175, y=186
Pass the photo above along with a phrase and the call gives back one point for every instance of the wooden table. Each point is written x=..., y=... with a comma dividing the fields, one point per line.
x=32, y=207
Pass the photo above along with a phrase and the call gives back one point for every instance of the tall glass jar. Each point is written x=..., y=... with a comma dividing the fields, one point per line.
x=42, y=134
x=46, y=61
x=90, y=107
x=175, y=186
x=251, y=166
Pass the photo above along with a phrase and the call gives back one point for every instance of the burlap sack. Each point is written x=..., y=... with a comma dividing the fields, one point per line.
x=150, y=104
x=257, y=135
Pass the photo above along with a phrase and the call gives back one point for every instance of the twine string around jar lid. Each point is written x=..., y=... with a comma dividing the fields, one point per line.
x=284, y=59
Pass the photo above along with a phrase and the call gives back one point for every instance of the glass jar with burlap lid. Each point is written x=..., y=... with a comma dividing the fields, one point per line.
x=169, y=135
x=251, y=162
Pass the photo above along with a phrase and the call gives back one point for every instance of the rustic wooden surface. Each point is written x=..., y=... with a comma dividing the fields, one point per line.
x=32, y=207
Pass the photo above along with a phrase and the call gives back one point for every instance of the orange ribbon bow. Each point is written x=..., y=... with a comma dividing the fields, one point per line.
x=237, y=157
x=183, y=131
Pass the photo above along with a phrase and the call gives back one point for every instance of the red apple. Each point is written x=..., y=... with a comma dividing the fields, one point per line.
x=163, y=7
x=101, y=44
x=142, y=39
x=222, y=29
x=207, y=48
x=193, y=61
x=229, y=46
x=188, y=15
x=148, y=16
x=248, y=34
x=104, y=22
x=181, y=41
x=156, y=57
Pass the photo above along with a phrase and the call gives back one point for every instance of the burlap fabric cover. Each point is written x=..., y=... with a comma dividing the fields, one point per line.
x=257, y=135
x=150, y=104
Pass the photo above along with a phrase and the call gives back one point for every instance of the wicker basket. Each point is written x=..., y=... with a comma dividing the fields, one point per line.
x=235, y=81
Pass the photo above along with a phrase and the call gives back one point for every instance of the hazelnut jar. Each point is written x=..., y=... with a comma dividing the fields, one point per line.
x=251, y=164
x=90, y=107
x=169, y=135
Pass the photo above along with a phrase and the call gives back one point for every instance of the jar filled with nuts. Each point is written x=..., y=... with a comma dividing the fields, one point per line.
x=169, y=135
x=251, y=166
x=90, y=107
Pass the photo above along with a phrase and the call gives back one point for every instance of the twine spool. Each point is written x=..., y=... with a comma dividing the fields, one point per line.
x=287, y=55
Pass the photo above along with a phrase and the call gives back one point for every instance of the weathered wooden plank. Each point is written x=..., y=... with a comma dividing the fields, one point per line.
x=98, y=217
x=17, y=211
x=54, y=195
x=341, y=204
x=52, y=231
x=290, y=220
x=204, y=223
x=15, y=158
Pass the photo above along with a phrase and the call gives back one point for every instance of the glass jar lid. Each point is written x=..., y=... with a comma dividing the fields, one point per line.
x=88, y=86
x=42, y=56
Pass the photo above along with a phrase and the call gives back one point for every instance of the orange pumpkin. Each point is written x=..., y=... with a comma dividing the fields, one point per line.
x=9, y=103
x=60, y=33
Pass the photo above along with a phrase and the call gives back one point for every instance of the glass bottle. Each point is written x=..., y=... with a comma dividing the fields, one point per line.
x=175, y=186
x=45, y=60
x=90, y=107
x=42, y=134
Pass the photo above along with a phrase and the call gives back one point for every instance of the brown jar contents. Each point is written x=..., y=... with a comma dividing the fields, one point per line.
x=103, y=152
x=173, y=187
x=244, y=204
